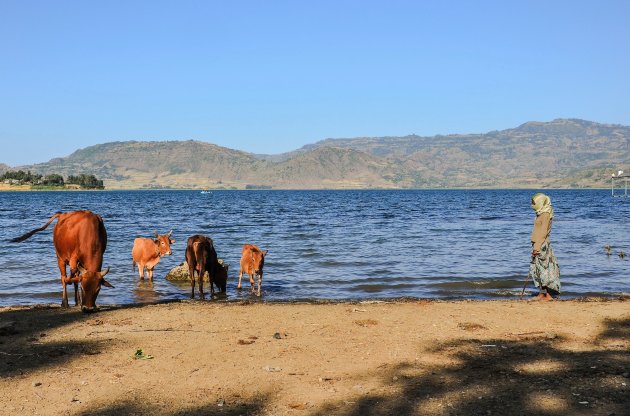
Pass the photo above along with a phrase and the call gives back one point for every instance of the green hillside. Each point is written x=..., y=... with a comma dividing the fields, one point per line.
x=560, y=153
x=563, y=152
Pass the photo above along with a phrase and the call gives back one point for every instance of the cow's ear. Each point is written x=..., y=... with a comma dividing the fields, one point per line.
x=157, y=235
x=106, y=283
x=171, y=241
x=265, y=253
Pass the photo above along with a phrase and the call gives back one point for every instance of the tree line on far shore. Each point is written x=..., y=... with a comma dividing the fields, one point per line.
x=53, y=180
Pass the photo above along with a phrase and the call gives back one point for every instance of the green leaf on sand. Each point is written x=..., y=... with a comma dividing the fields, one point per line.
x=139, y=355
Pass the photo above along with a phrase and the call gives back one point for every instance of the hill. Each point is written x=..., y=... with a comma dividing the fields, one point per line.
x=563, y=152
x=194, y=164
x=560, y=153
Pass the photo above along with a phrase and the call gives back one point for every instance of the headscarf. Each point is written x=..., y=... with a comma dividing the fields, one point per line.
x=542, y=203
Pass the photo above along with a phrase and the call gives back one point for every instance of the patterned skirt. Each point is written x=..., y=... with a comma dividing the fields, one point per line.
x=544, y=269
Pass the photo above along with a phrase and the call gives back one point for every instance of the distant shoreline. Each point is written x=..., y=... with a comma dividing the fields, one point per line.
x=26, y=188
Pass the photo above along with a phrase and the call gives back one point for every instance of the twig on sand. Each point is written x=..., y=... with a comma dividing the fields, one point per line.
x=17, y=355
x=527, y=333
x=145, y=330
x=164, y=330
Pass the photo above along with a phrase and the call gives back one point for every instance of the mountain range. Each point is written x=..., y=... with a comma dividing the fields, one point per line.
x=560, y=153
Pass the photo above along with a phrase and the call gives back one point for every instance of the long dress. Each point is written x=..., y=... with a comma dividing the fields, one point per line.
x=544, y=269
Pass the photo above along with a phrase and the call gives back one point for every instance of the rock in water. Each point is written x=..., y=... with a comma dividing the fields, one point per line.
x=180, y=273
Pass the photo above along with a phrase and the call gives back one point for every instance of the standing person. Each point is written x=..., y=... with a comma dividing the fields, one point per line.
x=544, y=269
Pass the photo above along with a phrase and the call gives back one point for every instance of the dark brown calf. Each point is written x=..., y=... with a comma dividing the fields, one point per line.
x=201, y=257
x=80, y=240
x=252, y=262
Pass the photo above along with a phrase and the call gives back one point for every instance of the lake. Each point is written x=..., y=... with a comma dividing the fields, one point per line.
x=364, y=244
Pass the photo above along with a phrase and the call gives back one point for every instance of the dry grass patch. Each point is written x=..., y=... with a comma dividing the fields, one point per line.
x=366, y=322
x=470, y=326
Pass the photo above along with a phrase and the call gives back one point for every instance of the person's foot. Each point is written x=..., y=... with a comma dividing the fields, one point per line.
x=545, y=296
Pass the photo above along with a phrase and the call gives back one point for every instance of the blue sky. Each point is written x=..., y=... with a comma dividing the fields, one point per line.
x=271, y=76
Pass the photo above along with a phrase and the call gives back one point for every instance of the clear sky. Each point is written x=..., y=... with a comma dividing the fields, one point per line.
x=270, y=76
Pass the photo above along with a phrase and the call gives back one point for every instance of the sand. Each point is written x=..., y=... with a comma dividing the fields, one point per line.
x=367, y=358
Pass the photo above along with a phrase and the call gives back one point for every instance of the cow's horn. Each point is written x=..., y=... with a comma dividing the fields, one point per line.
x=169, y=233
x=102, y=274
x=81, y=269
x=157, y=235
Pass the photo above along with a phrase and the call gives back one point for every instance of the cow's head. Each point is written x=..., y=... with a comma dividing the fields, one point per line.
x=258, y=260
x=90, y=286
x=221, y=276
x=164, y=243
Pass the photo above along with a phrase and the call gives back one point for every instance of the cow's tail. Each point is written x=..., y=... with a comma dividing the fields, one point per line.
x=30, y=233
x=133, y=265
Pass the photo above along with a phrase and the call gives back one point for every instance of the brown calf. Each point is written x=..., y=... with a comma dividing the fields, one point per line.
x=80, y=240
x=146, y=252
x=252, y=262
x=202, y=257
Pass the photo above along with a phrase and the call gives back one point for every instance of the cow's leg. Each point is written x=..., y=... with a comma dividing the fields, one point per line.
x=191, y=271
x=141, y=270
x=74, y=270
x=251, y=282
x=201, y=273
x=64, y=294
x=211, y=282
x=259, y=283
x=77, y=298
x=150, y=273
x=240, y=275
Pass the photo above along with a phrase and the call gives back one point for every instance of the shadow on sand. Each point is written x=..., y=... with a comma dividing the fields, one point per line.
x=532, y=375
x=23, y=331
x=134, y=408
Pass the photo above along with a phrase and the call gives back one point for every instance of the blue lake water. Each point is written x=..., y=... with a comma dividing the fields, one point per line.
x=471, y=244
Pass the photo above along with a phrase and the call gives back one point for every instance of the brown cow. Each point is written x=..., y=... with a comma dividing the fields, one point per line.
x=80, y=240
x=201, y=257
x=252, y=262
x=147, y=252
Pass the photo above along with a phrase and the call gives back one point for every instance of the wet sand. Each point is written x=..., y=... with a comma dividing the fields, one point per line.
x=363, y=358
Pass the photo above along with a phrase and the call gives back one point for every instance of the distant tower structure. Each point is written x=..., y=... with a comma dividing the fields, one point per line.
x=619, y=177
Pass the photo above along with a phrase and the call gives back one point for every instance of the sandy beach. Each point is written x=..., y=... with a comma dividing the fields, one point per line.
x=363, y=358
